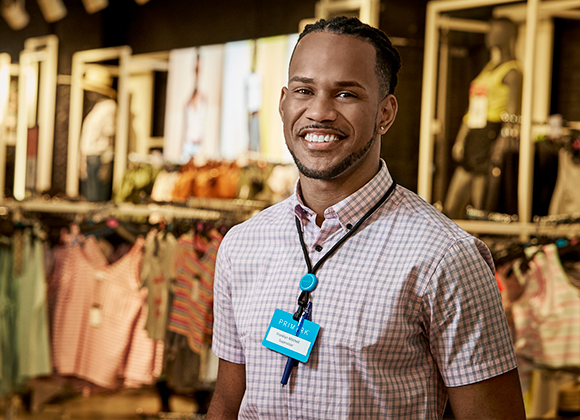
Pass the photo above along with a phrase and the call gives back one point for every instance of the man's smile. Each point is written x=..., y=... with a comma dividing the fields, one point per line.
x=321, y=138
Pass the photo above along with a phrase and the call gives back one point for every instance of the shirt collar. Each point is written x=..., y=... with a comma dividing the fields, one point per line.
x=353, y=207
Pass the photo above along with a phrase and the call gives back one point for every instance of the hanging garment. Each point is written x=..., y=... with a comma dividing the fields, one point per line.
x=31, y=314
x=195, y=125
x=566, y=197
x=156, y=276
x=181, y=364
x=164, y=185
x=527, y=338
x=183, y=186
x=192, y=308
x=138, y=181
x=72, y=298
x=547, y=316
x=115, y=344
x=560, y=329
x=8, y=350
x=545, y=175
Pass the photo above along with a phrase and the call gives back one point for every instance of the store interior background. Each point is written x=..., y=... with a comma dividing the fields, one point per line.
x=170, y=24
x=164, y=25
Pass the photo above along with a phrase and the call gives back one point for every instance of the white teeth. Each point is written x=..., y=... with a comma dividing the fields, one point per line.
x=313, y=138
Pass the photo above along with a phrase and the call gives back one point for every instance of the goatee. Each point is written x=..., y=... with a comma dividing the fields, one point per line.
x=339, y=168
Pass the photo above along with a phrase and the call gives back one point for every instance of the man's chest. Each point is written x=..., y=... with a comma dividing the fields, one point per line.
x=367, y=295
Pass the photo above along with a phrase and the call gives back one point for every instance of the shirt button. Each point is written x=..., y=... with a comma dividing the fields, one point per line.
x=348, y=226
x=318, y=248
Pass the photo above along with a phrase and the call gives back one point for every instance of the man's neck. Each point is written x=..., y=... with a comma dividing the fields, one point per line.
x=318, y=195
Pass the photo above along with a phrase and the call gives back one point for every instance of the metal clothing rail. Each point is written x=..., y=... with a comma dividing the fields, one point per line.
x=122, y=209
x=525, y=229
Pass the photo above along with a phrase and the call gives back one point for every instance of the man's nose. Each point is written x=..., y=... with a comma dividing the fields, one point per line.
x=321, y=108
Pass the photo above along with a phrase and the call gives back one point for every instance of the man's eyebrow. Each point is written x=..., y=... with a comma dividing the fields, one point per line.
x=341, y=84
x=299, y=79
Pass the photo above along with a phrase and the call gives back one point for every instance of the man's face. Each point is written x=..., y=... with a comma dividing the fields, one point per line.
x=331, y=109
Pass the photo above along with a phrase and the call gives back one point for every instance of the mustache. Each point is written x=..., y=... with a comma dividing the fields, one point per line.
x=319, y=126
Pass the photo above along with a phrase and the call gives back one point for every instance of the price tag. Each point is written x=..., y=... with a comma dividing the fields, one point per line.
x=95, y=316
x=478, y=104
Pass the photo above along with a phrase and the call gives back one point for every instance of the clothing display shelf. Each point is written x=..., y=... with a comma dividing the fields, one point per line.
x=37, y=75
x=434, y=63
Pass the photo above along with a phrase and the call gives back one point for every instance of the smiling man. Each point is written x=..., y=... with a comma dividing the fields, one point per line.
x=390, y=308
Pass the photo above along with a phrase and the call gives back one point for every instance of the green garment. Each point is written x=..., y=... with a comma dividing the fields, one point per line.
x=7, y=322
x=32, y=313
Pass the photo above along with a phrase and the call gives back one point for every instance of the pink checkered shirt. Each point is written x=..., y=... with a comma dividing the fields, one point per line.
x=407, y=306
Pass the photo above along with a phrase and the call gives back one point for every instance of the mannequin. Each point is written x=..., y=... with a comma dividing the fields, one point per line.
x=97, y=136
x=494, y=96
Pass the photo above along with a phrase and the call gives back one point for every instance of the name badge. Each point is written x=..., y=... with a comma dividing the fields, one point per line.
x=282, y=338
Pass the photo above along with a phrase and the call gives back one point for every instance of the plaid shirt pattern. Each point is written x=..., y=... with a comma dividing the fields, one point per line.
x=407, y=306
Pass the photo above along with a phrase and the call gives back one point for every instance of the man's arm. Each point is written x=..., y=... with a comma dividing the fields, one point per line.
x=497, y=398
x=229, y=391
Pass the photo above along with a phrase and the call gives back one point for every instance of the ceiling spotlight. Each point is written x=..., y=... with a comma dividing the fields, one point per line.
x=15, y=14
x=93, y=6
x=52, y=10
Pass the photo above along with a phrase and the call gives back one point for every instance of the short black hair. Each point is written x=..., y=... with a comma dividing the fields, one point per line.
x=388, y=60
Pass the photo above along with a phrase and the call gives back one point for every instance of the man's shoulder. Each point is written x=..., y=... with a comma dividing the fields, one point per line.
x=422, y=216
x=436, y=231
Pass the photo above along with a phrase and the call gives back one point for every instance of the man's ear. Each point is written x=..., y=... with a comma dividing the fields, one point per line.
x=387, y=112
x=282, y=100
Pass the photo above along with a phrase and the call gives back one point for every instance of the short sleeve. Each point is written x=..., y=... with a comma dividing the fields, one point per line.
x=466, y=324
x=225, y=342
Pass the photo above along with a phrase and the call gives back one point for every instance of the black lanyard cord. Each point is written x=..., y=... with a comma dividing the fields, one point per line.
x=342, y=240
x=303, y=245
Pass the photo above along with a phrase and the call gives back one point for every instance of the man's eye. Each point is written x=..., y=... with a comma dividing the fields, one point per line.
x=303, y=91
x=346, y=95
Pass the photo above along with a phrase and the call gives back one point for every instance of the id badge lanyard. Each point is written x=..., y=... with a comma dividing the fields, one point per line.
x=307, y=285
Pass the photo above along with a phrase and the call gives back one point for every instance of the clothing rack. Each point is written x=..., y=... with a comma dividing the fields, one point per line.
x=217, y=210
x=110, y=209
x=227, y=211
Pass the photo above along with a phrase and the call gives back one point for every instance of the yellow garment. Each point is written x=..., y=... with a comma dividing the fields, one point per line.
x=490, y=83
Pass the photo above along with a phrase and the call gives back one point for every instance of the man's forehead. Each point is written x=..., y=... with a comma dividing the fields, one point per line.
x=328, y=39
x=342, y=50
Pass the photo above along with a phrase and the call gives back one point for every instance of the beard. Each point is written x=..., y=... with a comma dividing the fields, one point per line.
x=339, y=168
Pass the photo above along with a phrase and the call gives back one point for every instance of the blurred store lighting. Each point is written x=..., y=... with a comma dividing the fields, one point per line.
x=52, y=10
x=93, y=6
x=15, y=14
